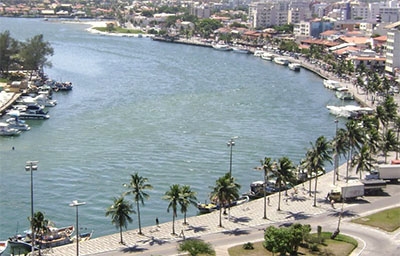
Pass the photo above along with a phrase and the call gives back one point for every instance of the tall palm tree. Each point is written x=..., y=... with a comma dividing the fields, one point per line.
x=120, y=212
x=316, y=156
x=136, y=187
x=224, y=191
x=188, y=197
x=341, y=146
x=355, y=136
x=284, y=174
x=267, y=166
x=363, y=160
x=389, y=143
x=40, y=226
x=173, y=196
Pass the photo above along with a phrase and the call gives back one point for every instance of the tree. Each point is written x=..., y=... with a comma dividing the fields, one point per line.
x=284, y=174
x=120, y=212
x=355, y=136
x=173, y=196
x=341, y=147
x=8, y=48
x=196, y=247
x=40, y=226
x=363, y=160
x=389, y=143
x=136, y=187
x=316, y=156
x=34, y=53
x=267, y=166
x=224, y=191
x=187, y=198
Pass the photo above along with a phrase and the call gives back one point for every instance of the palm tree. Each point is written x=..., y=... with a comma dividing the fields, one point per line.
x=341, y=147
x=173, y=196
x=355, y=136
x=224, y=191
x=363, y=160
x=316, y=156
x=284, y=174
x=136, y=187
x=188, y=197
x=389, y=143
x=267, y=166
x=120, y=212
x=40, y=226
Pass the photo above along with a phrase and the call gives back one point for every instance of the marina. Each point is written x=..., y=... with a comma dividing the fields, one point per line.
x=168, y=118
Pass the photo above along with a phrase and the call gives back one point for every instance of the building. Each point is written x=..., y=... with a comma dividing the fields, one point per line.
x=393, y=51
x=268, y=14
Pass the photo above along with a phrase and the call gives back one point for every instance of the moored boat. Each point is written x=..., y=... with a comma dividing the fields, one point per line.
x=221, y=47
x=294, y=66
x=267, y=56
x=331, y=84
x=281, y=61
x=3, y=246
x=343, y=93
x=207, y=208
x=238, y=49
x=6, y=130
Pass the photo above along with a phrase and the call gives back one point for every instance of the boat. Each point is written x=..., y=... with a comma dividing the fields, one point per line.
x=281, y=61
x=243, y=199
x=294, y=66
x=207, y=208
x=221, y=47
x=40, y=99
x=344, y=94
x=18, y=246
x=331, y=84
x=349, y=111
x=258, y=53
x=14, y=122
x=6, y=130
x=30, y=114
x=56, y=237
x=267, y=56
x=83, y=236
x=3, y=246
x=238, y=49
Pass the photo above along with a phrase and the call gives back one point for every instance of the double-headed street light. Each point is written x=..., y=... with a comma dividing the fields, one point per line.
x=230, y=144
x=76, y=204
x=31, y=166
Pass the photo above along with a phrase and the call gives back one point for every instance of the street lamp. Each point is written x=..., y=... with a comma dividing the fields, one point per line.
x=336, y=156
x=76, y=204
x=230, y=144
x=31, y=166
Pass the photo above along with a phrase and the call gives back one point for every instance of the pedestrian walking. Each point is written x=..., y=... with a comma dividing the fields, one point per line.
x=157, y=222
x=182, y=234
x=333, y=203
x=268, y=201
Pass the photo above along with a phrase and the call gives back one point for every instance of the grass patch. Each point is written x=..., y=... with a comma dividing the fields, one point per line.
x=119, y=30
x=388, y=220
x=342, y=245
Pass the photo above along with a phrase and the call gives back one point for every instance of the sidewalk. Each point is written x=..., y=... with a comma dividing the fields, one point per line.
x=293, y=207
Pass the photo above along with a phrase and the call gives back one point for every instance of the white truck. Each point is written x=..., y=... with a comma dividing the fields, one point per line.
x=389, y=172
x=347, y=191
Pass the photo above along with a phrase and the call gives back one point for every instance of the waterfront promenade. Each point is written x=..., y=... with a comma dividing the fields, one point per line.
x=294, y=208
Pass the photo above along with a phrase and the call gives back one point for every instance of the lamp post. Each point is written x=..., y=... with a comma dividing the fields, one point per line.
x=230, y=144
x=31, y=166
x=336, y=173
x=76, y=204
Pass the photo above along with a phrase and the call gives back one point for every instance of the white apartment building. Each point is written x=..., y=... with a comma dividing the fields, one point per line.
x=302, y=29
x=267, y=14
x=393, y=51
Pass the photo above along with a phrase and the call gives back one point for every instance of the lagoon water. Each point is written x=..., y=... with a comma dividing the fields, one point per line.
x=163, y=110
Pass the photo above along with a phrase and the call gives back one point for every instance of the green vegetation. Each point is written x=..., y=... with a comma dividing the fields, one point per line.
x=341, y=245
x=388, y=220
x=120, y=212
x=118, y=30
x=196, y=247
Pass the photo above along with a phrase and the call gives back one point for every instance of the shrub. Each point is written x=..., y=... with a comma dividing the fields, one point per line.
x=248, y=246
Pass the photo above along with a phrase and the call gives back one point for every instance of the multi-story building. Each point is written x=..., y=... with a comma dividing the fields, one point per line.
x=267, y=14
x=393, y=50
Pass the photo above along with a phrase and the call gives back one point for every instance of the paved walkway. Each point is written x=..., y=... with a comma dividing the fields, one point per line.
x=293, y=207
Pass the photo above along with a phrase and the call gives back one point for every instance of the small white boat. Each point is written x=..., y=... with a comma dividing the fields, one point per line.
x=3, y=246
x=240, y=50
x=331, y=84
x=222, y=47
x=29, y=114
x=258, y=53
x=294, y=66
x=349, y=111
x=17, y=124
x=267, y=56
x=344, y=94
x=6, y=130
x=281, y=61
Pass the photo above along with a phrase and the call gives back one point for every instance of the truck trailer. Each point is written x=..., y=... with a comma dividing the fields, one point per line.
x=347, y=191
x=389, y=172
